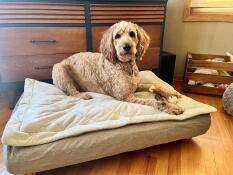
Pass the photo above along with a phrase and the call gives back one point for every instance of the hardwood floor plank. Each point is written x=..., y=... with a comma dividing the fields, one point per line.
x=107, y=166
x=161, y=154
x=151, y=165
x=125, y=164
x=174, y=159
x=139, y=163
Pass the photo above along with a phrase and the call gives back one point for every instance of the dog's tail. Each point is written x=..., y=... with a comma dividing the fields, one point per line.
x=62, y=79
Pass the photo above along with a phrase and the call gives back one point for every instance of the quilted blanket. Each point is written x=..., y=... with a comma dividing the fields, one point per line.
x=45, y=114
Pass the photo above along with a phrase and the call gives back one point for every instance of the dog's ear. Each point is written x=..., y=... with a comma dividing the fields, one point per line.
x=106, y=45
x=143, y=42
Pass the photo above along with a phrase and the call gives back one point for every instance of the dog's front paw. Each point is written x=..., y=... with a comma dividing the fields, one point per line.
x=171, y=108
x=83, y=96
x=173, y=99
x=174, y=109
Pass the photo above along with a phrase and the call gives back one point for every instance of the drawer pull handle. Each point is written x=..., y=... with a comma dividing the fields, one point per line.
x=43, y=67
x=42, y=41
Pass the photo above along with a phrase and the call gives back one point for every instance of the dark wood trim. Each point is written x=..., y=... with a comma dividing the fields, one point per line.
x=88, y=27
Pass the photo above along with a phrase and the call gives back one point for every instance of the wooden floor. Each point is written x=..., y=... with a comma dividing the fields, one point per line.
x=209, y=154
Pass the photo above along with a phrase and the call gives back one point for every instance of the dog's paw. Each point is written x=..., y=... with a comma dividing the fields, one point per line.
x=83, y=96
x=174, y=109
x=171, y=108
x=173, y=99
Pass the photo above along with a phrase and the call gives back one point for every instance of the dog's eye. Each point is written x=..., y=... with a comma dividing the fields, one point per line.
x=117, y=36
x=132, y=34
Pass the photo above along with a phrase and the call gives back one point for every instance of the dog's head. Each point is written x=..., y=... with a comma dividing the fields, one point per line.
x=125, y=42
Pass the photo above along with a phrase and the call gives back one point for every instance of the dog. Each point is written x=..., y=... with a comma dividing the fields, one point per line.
x=113, y=71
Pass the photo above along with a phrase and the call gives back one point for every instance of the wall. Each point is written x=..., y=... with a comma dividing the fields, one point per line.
x=199, y=37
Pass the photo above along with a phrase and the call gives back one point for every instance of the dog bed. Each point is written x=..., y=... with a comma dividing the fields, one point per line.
x=47, y=125
x=96, y=145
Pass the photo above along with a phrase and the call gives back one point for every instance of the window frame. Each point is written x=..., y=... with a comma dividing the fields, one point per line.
x=188, y=16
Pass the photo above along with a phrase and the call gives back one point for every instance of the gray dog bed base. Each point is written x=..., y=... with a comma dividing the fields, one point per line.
x=95, y=145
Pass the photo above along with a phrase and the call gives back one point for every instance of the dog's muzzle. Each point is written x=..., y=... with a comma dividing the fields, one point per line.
x=127, y=48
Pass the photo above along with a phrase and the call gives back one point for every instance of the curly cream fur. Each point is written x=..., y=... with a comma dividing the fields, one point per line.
x=143, y=44
x=112, y=71
x=106, y=45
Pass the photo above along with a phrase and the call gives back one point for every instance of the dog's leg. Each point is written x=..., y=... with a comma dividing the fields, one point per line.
x=161, y=105
x=161, y=90
x=63, y=80
x=143, y=87
x=164, y=91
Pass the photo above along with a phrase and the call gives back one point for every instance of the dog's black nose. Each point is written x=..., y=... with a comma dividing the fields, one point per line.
x=127, y=47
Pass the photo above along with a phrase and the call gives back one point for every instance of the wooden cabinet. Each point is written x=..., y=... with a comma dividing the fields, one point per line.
x=36, y=35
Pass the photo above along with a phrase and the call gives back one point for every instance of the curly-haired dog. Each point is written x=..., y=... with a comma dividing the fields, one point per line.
x=113, y=71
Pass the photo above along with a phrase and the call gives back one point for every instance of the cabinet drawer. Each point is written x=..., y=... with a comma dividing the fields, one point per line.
x=38, y=12
x=111, y=13
x=38, y=67
x=41, y=40
x=151, y=58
